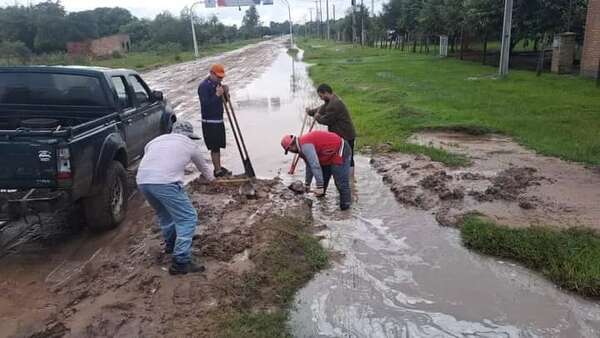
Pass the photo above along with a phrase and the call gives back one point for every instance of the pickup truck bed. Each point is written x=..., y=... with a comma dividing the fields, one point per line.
x=68, y=133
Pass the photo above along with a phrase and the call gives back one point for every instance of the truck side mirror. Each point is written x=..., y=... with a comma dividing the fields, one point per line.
x=157, y=95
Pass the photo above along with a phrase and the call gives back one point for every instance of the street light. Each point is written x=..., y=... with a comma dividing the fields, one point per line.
x=194, y=29
x=291, y=24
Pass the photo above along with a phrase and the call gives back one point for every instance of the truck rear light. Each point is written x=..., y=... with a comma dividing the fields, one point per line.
x=63, y=164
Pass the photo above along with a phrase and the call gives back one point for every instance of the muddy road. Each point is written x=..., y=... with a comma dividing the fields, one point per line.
x=400, y=274
x=58, y=279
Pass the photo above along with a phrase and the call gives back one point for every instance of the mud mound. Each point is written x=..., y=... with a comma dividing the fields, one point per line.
x=505, y=182
x=124, y=289
x=509, y=184
x=438, y=183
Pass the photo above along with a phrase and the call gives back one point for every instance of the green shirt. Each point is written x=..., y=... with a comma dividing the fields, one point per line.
x=336, y=117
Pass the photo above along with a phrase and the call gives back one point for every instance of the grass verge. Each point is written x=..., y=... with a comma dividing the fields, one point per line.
x=289, y=261
x=569, y=257
x=139, y=61
x=393, y=94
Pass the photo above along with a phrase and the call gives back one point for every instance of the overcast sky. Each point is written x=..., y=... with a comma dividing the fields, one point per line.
x=149, y=8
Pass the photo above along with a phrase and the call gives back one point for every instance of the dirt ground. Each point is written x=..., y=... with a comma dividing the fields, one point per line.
x=123, y=289
x=59, y=280
x=509, y=184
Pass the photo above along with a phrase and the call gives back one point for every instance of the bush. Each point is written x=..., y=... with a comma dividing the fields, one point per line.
x=169, y=48
x=14, y=52
x=116, y=55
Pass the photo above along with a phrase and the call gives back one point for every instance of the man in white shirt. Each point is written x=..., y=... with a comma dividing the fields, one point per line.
x=160, y=179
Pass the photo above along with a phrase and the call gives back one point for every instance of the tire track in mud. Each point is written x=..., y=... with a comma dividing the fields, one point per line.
x=112, y=284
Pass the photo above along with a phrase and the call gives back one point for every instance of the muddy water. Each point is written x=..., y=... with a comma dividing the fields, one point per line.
x=268, y=89
x=401, y=274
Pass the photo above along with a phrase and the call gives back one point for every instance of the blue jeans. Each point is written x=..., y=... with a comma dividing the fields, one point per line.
x=341, y=177
x=176, y=216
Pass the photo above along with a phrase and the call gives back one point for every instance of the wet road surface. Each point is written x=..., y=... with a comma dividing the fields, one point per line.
x=401, y=274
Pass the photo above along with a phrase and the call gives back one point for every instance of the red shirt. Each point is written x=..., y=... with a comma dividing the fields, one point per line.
x=327, y=144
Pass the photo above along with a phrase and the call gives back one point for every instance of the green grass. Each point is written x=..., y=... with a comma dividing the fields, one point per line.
x=139, y=61
x=569, y=257
x=284, y=266
x=393, y=94
x=257, y=325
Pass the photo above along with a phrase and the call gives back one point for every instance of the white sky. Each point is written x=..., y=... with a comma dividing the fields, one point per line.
x=149, y=8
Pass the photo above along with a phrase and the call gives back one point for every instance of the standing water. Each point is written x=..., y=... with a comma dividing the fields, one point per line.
x=400, y=275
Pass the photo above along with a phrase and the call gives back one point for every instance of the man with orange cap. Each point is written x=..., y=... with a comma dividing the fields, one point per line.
x=210, y=93
x=325, y=154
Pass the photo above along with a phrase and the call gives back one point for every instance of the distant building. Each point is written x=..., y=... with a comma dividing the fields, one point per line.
x=590, y=58
x=101, y=47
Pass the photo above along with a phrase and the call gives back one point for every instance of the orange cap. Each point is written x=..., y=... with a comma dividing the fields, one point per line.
x=286, y=142
x=218, y=69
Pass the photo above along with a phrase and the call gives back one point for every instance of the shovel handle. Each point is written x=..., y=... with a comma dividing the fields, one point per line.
x=297, y=156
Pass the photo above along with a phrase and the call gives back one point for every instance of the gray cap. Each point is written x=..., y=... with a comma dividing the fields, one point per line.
x=185, y=128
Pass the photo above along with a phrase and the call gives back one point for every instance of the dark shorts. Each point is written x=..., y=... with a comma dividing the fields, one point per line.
x=214, y=135
x=351, y=143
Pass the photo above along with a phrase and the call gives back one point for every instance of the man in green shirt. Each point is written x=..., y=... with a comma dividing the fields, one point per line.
x=334, y=114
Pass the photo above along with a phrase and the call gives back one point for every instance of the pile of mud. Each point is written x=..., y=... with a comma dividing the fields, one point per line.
x=509, y=184
x=123, y=289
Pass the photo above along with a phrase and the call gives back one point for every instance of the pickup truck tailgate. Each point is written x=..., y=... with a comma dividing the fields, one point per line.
x=27, y=164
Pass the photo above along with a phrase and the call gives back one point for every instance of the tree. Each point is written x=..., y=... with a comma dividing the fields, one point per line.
x=138, y=30
x=82, y=26
x=110, y=20
x=250, y=22
x=51, y=28
x=167, y=28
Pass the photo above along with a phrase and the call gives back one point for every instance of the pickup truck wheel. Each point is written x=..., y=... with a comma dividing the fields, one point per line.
x=107, y=209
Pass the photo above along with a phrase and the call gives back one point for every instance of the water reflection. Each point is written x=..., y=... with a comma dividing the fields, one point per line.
x=401, y=274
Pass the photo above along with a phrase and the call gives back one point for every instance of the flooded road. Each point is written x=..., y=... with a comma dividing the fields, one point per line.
x=401, y=275
x=269, y=91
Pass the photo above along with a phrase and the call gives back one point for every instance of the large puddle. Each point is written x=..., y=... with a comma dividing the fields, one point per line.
x=401, y=274
x=267, y=108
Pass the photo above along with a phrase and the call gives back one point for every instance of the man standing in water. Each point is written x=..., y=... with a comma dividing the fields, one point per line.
x=211, y=93
x=334, y=114
x=325, y=154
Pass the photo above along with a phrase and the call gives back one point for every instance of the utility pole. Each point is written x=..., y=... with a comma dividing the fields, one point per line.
x=333, y=13
x=327, y=11
x=291, y=23
x=317, y=18
x=310, y=11
x=362, y=23
x=321, y=19
x=193, y=28
x=373, y=8
x=506, y=31
x=353, y=23
x=337, y=38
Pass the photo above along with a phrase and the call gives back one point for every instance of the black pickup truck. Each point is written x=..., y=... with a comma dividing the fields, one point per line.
x=67, y=135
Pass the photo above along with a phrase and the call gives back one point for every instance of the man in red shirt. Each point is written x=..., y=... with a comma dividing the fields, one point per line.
x=325, y=154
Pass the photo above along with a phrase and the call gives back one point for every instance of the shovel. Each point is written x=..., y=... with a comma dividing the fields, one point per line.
x=237, y=134
x=296, y=156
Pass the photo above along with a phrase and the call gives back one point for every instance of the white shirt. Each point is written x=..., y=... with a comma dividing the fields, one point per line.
x=166, y=157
